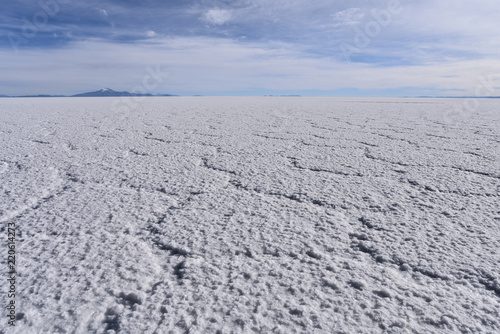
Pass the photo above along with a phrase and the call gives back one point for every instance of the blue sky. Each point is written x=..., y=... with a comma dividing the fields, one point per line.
x=243, y=47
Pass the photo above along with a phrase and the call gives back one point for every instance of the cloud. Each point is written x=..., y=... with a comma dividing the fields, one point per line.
x=290, y=44
x=217, y=16
x=350, y=16
x=215, y=65
x=103, y=12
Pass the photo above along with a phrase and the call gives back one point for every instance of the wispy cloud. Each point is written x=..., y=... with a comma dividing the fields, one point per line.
x=214, y=46
x=226, y=65
x=347, y=17
x=102, y=12
x=217, y=16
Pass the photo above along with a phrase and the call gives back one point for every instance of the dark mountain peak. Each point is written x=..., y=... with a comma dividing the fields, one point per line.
x=108, y=92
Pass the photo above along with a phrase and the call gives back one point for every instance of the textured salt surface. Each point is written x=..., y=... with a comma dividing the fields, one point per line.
x=243, y=215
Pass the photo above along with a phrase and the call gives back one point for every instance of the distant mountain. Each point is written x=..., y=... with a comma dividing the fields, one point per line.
x=108, y=92
x=99, y=93
x=40, y=95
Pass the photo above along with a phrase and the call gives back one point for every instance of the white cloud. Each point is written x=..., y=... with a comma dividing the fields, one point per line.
x=217, y=16
x=151, y=33
x=350, y=16
x=207, y=65
x=103, y=12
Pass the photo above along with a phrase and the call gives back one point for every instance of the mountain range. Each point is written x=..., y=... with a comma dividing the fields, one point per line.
x=105, y=92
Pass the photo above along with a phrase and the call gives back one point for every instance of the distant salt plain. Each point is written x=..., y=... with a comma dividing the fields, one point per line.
x=252, y=215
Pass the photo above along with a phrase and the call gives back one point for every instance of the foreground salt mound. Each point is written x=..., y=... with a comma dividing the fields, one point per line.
x=242, y=215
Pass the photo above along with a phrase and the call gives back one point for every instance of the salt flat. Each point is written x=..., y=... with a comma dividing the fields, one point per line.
x=252, y=215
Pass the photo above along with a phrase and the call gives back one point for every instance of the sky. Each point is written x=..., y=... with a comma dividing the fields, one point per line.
x=251, y=47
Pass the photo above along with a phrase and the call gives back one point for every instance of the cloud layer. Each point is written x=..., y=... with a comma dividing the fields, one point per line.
x=251, y=47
